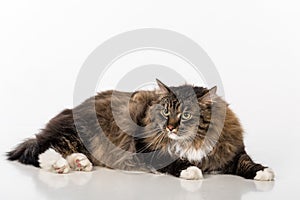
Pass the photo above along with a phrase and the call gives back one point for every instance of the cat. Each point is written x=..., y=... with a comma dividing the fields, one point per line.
x=182, y=131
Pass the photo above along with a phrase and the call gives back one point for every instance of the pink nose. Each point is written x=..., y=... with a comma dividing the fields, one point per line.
x=170, y=127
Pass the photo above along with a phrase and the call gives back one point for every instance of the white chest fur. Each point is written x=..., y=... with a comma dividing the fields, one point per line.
x=190, y=153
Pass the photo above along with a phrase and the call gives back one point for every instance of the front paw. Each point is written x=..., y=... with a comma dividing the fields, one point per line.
x=266, y=174
x=191, y=173
x=79, y=162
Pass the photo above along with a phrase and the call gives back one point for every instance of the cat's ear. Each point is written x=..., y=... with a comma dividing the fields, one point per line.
x=213, y=90
x=163, y=87
x=209, y=97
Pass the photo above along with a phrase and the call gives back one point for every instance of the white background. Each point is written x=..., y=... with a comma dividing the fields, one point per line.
x=254, y=44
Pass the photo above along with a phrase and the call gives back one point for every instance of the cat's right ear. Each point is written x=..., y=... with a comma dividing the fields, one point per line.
x=163, y=87
x=209, y=97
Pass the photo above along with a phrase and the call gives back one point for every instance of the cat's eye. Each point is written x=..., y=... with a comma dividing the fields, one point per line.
x=186, y=115
x=165, y=112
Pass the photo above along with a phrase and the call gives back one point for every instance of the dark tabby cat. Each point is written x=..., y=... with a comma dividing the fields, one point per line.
x=180, y=130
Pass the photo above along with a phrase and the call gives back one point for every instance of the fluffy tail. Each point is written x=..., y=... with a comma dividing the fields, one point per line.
x=60, y=131
x=26, y=153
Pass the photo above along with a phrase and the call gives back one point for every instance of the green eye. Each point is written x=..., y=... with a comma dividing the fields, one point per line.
x=165, y=112
x=186, y=115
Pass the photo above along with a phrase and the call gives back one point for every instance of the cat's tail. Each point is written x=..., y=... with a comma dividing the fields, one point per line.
x=27, y=152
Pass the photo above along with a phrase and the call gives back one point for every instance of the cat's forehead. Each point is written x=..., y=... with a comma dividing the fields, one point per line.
x=178, y=103
x=183, y=91
x=181, y=97
x=179, y=92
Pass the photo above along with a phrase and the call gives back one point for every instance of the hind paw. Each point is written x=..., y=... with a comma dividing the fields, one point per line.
x=61, y=166
x=52, y=161
x=79, y=162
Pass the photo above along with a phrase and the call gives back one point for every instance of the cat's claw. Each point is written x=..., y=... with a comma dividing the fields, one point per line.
x=191, y=173
x=79, y=162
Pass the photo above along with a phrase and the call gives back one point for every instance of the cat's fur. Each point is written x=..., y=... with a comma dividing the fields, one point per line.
x=208, y=137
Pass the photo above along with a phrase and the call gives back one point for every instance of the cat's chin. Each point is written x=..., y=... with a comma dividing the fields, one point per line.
x=173, y=136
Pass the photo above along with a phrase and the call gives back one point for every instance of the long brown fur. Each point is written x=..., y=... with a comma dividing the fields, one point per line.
x=101, y=128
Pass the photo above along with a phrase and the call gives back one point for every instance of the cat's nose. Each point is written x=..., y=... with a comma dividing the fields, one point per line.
x=170, y=127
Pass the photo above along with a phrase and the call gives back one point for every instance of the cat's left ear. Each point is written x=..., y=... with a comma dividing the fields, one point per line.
x=209, y=97
x=163, y=87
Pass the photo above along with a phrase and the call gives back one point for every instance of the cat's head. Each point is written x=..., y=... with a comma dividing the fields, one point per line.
x=182, y=115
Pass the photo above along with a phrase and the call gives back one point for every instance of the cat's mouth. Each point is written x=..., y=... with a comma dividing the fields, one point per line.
x=175, y=136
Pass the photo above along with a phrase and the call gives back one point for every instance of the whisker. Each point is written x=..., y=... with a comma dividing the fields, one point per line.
x=153, y=143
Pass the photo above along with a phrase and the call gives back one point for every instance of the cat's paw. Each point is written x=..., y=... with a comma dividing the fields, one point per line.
x=79, y=162
x=266, y=174
x=52, y=161
x=191, y=173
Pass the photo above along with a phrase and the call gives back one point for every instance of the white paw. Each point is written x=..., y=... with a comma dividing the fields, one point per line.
x=52, y=161
x=191, y=173
x=265, y=175
x=79, y=162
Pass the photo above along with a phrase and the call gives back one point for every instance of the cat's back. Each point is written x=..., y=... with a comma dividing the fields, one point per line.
x=118, y=100
x=112, y=104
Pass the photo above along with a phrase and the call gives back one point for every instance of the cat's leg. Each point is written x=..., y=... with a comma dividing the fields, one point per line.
x=52, y=161
x=183, y=169
x=244, y=166
x=79, y=162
